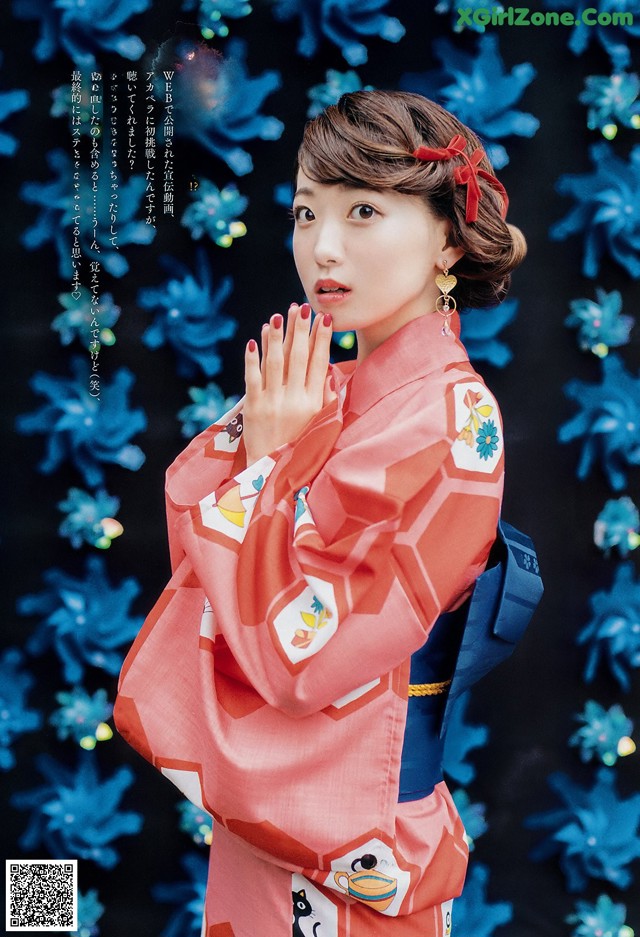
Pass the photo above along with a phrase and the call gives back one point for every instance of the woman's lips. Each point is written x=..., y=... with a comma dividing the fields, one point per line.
x=330, y=291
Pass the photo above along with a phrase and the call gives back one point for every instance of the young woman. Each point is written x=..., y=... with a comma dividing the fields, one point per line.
x=292, y=676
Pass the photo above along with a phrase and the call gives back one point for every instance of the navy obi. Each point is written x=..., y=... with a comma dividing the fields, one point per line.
x=462, y=647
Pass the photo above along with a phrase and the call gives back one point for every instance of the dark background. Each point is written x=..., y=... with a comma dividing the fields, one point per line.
x=529, y=703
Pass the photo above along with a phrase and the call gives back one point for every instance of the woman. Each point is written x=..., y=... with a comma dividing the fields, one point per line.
x=291, y=677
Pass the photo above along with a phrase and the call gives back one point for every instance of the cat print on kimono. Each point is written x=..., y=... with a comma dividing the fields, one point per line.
x=301, y=908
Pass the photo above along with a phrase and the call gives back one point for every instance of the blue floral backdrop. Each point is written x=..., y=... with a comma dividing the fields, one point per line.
x=108, y=373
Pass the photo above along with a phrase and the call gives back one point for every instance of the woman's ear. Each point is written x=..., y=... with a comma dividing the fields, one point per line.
x=451, y=255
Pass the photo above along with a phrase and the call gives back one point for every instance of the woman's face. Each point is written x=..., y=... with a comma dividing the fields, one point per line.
x=367, y=257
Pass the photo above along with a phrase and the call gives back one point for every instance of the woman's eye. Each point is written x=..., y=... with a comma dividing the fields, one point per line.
x=302, y=214
x=363, y=212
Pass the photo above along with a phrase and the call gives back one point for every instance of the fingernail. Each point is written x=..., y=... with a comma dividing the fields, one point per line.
x=265, y=326
x=305, y=311
x=292, y=306
x=326, y=319
x=277, y=321
x=251, y=344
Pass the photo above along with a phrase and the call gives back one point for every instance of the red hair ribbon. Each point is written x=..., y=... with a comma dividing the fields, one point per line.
x=465, y=175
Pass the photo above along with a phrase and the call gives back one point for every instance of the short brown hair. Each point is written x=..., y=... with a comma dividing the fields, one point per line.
x=367, y=140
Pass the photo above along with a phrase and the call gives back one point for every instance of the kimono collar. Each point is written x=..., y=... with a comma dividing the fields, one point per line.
x=414, y=351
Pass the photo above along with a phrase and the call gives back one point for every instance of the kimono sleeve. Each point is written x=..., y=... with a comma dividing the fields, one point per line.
x=326, y=564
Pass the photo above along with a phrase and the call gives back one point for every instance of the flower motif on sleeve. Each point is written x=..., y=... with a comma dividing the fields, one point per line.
x=314, y=620
x=487, y=440
x=477, y=429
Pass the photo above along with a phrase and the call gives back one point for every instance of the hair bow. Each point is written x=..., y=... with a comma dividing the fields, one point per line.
x=467, y=174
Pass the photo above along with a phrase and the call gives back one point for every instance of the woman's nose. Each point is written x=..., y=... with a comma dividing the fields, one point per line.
x=328, y=247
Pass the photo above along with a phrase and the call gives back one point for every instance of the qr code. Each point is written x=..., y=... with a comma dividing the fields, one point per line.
x=42, y=895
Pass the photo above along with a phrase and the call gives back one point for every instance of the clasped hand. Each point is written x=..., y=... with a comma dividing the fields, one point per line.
x=290, y=385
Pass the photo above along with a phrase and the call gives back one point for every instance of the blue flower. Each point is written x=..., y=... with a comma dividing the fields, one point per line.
x=479, y=91
x=84, y=619
x=609, y=25
x=473, y=913
x=613, y=632
x=600, y=325
x=462, y=738
x=618, y=525
x=82, y=428
x=77, y=321
x=76, y=814
x=475, y=14
x=602, y=919
x=609, y=422
x=90, y=519
x=15, y=717
x=342, y=22
x=595, y=832
x=480, y=329
x=211, y=14
x=83, y=28
x=337, y=84
x=189, y=896
x=214, y=212
x=604, y=733
x=208, y=404
x=83, y=717
x=197, y=823
x=217, y=104
x=472, y=816
x=56, y=220
x=487, y=440
x=607, y=210
x=90, y=910
x=612, y=100
x=10, y=102
x=189, y=316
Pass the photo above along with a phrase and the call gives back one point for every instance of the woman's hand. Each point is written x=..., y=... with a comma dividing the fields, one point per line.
x=290, y=385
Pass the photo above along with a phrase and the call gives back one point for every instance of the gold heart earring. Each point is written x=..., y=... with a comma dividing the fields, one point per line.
x=446, y=304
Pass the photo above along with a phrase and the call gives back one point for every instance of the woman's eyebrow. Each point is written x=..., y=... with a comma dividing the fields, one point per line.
x=303, y=191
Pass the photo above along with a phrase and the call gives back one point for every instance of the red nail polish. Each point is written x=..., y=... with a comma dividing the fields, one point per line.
x=277, y=321
x=251, y=345
x=305, y=311
x=326, y=319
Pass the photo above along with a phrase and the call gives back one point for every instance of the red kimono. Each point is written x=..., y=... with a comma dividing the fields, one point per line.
x=270, y=682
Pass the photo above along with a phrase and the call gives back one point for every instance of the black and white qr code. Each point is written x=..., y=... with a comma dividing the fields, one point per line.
x=42, y=895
